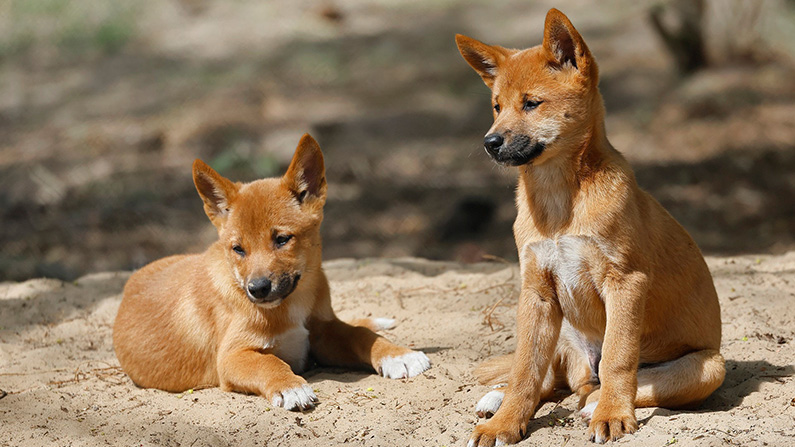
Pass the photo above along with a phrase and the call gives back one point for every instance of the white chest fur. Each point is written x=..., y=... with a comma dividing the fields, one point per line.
x=564, y=257
x=292, y=346
x=577, y=264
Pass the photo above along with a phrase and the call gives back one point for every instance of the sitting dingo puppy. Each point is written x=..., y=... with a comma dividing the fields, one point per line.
x=617, y=302
x=248, y=313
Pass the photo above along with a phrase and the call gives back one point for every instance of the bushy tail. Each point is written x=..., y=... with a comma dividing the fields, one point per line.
x=681, y=383
x=494, y=370
x=374, y=324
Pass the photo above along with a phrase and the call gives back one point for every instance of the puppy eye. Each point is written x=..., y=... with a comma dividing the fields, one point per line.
x=282, y=239
x=497, y=108
x=239, y=250
x=530, y=105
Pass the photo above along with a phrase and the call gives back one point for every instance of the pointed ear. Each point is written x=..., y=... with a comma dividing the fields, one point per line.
x=485, y=59
x=216, y=191
x=306, y=176
x=565, y=45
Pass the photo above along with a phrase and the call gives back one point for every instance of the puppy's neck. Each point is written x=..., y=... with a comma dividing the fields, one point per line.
x=549, y=190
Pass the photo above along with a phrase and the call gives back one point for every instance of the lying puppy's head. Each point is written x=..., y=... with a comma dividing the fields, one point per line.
x=269, y=228
x=544, y=98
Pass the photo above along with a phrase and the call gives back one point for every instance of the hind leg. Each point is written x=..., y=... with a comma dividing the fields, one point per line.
x=571, y=369
x=575, y=364
x=491, y=401
x=681, y=383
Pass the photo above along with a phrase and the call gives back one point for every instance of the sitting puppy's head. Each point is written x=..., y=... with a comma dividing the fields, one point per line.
x=545, y=98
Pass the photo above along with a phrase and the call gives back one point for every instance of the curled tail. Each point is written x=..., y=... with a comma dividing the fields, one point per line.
x=374, y=324
x=494, y=370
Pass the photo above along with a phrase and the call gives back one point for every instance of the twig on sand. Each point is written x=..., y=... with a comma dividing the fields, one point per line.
x=429, y=287
x=491, y=320
x=109, y=374
x=488, y=318
x=777, y=377
x=494, y=258
x=399, y=297
x=29, y=373
x=724, y=432
x=401, y=293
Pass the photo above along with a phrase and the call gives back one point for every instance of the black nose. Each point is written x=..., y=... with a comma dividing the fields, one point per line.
x=492, y=143
x=259, y=288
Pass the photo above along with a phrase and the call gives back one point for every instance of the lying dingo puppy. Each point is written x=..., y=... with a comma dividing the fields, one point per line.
x=248, y=313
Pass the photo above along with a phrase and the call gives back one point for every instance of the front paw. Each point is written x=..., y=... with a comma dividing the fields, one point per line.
x=611, y=424
x=296, y=398
x=496, y=432
x=403, y=366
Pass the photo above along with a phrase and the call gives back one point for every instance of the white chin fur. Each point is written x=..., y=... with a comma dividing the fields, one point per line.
x=270, y=305
x=295, y=399
x=404, y=366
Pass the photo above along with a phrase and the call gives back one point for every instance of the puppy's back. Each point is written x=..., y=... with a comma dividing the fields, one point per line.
x=162, y=336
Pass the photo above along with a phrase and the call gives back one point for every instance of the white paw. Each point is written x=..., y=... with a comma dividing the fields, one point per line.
x=587, y=411
x=403, y=366
x=489, y=404
x=382, y=324
x=298, y=398
x=497, y=443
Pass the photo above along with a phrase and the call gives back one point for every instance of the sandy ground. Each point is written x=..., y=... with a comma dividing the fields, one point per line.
x=64, y=387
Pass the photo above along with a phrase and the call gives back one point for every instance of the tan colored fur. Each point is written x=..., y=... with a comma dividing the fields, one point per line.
x=604, y=266
x=187, y=322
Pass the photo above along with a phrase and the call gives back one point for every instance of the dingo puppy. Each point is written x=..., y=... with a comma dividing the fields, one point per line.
x=248, y=313
x=617, y=302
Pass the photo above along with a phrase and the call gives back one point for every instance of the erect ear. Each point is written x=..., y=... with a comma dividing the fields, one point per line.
x=485, y=59
x=565, y=45
x=216, y=191
x=306, y=176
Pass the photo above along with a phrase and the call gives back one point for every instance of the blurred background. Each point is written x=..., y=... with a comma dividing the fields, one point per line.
x=104, y=105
